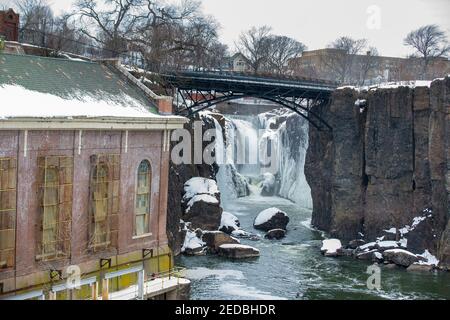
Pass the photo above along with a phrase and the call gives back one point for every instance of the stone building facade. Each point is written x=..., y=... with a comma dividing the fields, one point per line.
x=9, y=25
x=335, y=65
x=84, y=156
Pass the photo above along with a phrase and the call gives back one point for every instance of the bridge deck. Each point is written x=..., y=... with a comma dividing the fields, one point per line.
x=249, y=85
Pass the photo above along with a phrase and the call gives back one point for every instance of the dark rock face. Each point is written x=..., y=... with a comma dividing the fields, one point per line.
x=275, y=234
x=204, y=215
x=383, y=165
x=178, y=176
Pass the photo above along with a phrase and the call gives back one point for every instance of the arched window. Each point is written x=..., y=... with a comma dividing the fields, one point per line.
x=104, y=201
x=100, y=196
x=142, y=210
x=55, y=197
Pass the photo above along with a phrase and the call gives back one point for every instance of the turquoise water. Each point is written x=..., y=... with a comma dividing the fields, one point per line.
x=293, y=268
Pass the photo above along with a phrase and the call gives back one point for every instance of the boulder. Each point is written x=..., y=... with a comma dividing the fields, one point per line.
x=201, y=204
x=204, y=212
x=330, y=247
x=214, y=239
x=268, y=185
x=400, y=257
x=229, y=223
x=272, y=218
x=237, y=251
x=276, y=234
x=420, y=268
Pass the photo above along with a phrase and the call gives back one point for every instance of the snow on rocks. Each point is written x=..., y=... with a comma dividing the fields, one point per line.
x=201, y=203
x=272, y=218
x=330, y=247
x=229, y=223
x=400, y=257
x=193, y=245
x=237, y=251
x=196, y=186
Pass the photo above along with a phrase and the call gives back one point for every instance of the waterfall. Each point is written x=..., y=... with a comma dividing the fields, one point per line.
x=279, y=135
x=231, y=183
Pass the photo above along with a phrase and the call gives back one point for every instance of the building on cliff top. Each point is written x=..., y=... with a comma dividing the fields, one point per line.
x=364, y=69
x=9, y=25
x=84, y=156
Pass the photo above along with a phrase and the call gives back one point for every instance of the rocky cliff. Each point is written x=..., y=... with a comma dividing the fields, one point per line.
x=384, y=166
x=178, y=176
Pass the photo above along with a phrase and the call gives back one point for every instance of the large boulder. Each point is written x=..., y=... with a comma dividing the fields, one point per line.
x=330, y=247
x=237, y=251
x=229, y=223
x=272, y=218
x=400, y=257
x=201, y=203
x=214, y=239
x=275, y=234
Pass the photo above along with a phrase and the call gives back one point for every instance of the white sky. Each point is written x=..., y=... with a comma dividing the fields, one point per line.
x=318, y=22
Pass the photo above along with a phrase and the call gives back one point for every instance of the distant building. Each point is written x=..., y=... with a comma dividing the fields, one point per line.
x=335, y=65
x=239, y=63
x=9, y=25
x=84, y=156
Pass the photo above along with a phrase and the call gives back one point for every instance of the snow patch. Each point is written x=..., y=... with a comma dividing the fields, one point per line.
x=330, y=246
x=431, y=260
x=192, y=242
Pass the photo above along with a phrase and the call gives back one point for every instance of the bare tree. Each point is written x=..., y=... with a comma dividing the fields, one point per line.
x=339, y=63
x=281, y=50
x=110, y=25
x=429, y=42
x=254, y=45
x=368, y=64
x=37, y=21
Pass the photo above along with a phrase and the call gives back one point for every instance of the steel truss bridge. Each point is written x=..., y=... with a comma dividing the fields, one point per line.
x=197, y=91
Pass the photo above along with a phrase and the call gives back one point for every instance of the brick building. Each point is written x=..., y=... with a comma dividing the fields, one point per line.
x=335, y=65
x=84, y=156
x=9, y=25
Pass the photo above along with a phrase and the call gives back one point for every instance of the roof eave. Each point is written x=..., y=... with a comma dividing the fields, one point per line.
x=93, y=123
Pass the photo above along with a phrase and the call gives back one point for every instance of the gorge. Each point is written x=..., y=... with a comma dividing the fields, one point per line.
x=383, y=169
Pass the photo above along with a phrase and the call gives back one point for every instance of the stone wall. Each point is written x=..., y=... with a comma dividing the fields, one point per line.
x=383, y=164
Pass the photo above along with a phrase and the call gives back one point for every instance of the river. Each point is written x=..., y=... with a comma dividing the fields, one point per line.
x=293, y=268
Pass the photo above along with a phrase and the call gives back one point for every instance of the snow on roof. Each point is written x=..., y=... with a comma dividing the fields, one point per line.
x=41, y=87
x=18, y=101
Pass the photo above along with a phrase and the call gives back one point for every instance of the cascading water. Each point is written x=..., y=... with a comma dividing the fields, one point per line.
x=278, y=140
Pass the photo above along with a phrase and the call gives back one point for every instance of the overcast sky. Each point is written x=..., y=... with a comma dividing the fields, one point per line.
x=384, y=23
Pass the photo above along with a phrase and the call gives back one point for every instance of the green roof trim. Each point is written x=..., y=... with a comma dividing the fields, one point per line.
x=67, y=78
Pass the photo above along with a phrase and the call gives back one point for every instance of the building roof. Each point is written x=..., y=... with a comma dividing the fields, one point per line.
x=41, y=87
